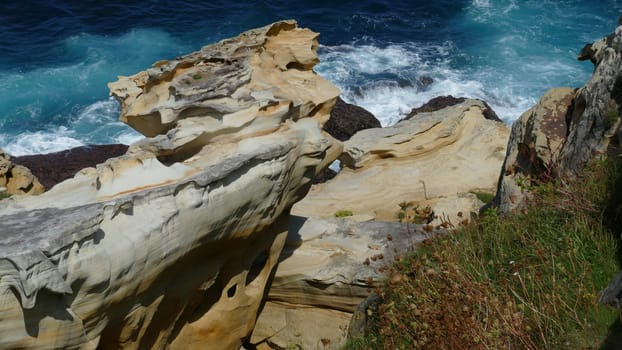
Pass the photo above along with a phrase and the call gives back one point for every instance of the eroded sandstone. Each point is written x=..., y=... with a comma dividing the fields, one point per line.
x=16, y=178
x=330, y=265
x=436, y=159
x=534, y=148
x=171, y=245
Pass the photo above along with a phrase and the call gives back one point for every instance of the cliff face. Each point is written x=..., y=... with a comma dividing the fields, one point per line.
x=567, y=128
x=171, y=245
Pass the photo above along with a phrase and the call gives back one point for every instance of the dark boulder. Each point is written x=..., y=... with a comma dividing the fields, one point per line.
x=440, y=102
x=56, y=167
x=346, y=119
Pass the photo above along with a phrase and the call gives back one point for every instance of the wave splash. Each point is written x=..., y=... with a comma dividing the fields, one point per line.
x=47, y=109
x=390, y=81
x=386, y=57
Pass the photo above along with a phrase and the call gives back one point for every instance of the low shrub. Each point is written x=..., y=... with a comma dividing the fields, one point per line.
x=525, y=280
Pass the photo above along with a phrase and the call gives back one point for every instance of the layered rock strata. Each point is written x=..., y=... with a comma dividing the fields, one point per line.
x=330, y=265
x=327, y=267
x=436, y=159
x=171, y=245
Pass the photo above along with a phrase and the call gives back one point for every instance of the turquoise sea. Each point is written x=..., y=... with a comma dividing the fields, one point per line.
x=56, y=57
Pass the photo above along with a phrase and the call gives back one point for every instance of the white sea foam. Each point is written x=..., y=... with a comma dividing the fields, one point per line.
x=129, y=138
x=48, y=109
x=481, y=3
x=42, y=142
x=94, y=124
x=390, y=81
x=498, y=56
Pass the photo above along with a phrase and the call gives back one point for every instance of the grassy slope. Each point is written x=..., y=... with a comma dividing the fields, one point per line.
x=528, y=280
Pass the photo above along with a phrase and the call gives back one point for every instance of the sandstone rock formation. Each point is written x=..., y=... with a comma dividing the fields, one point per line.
x=328, y=267
x=17, y=179
x=566, y=129
x=595, y=115
x=435, y=159
x=172, y=244
x=345, y=120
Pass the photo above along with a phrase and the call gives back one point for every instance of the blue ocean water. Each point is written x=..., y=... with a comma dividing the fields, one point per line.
x=56, y=57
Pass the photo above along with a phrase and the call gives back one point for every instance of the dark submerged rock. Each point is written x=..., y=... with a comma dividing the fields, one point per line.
x=425, y=81
x=440, y=102
x=52, y=168
x=436, y=104
x=346, y=119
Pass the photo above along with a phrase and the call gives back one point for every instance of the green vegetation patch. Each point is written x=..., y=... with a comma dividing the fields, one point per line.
x=528, y=280
x=343, y=213
x=485, y=197
x=611, y=117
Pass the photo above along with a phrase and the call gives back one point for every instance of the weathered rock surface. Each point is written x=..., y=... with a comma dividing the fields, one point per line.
x=171, y=245
x=434, y=160
x=345, y=120
x=595, y=116
x=534, y=148
x=435, y=104
x=328, y=267
x=566, y=129
x=17, y=179
x=365, y=318
x=595, y=121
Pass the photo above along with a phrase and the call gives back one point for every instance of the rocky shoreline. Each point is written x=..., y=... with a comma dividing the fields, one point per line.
x=214, y=231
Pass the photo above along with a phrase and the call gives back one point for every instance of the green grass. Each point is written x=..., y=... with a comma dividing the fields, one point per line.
x=611, y=117
x=528, y=280
x=343, y=213
x=485, y=197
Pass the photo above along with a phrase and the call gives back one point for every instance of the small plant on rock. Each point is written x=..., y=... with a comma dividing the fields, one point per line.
x=611, y=117
x=343, y=213
x=485, y=197
x=411, y=212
